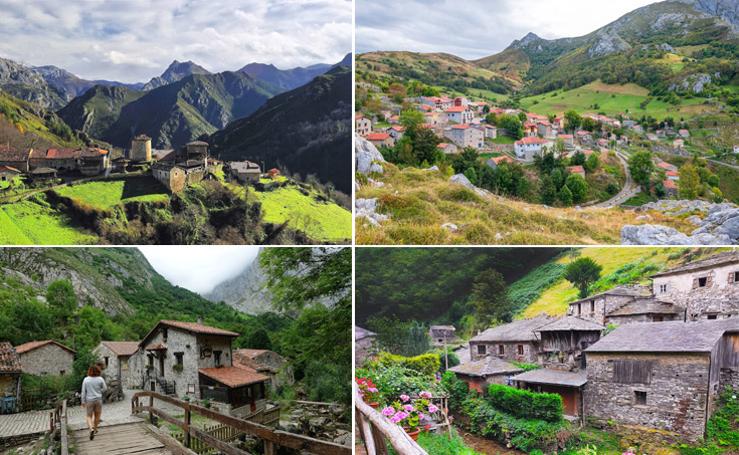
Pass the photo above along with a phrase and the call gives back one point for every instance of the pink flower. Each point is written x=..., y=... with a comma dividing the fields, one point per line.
x=408, y=407
x=400, y=415
x=372, y=389
x=425, y=394
x=404, y=398
x=420, y=415
x=388, y=411
x=433, y=408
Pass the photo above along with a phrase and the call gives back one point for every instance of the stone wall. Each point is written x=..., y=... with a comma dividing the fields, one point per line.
x=720, y=296
x=729, y=377
x=111, y=362
x=596, y=308
x=510, y=350
x=676, y=393
x=47, y=360
x=177, y=341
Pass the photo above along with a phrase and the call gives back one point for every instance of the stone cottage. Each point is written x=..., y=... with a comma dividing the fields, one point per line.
x=442, y=334
x=663, y=375
x=597, y=307
x=121, y=361
x=192, y=359
x=515, y=341
x=567, y=384
x=18, y=159
x=562, y=342
x=10, y=378
x=364, y=344
x=45, y=358
x=488, y=370
x=245, y=171
x=183, y=167
x=265, y=362
x=707, y=289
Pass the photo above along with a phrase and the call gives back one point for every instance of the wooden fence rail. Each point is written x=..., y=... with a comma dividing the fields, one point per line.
x=376, y=431
x=272, y=438
x=221, y=432
x=58, y=426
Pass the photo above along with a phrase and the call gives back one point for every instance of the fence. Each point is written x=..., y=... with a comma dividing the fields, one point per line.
x=221, y=432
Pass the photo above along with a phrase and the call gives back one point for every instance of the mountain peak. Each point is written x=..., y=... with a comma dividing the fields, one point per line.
x=176, y=71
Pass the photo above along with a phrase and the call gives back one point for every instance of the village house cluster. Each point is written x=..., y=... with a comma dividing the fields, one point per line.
x=49, y=163
x=643, y=356
x=183, y=359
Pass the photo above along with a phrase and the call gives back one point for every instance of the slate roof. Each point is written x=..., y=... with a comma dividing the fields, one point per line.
x=122, y=348
x=251, y=353
x=646, y=306
x=234, y=376
x=31, y=345
x=674, y=337
x=521, y=330
x=244, y=166
x=571, y=323
x=195, y=327
x=557, y=377
x=635, y=291
x=713, y=261
x=487, y=366
x=10, y=363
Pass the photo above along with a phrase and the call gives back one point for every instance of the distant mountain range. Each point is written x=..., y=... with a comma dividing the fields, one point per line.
x=246, y=292
x=306, y=131
x=630, y=49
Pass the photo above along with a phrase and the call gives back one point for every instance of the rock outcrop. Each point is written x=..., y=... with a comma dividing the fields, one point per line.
x=367, y=157
x=464, y=181
x=367, y=208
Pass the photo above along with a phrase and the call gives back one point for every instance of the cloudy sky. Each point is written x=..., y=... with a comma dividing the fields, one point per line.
x=477, y=28
x=134, y=40
x=199, y=268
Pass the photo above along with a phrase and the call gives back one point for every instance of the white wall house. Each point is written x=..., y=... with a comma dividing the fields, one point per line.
x=529, y=147
x=459, y=114
x=465, y=136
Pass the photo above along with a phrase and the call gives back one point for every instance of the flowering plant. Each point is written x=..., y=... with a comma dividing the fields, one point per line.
x=410, y=413
x=367, y=389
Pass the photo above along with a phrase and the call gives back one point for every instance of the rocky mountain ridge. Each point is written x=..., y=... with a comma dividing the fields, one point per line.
x=246, y=292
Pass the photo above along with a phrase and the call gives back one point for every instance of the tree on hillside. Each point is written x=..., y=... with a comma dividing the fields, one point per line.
x=397, y=92
x=258, y=339
x=411, y=119
x=573, y=120
x=548, y=191
x=592, y=163
x=582, y=273
x=641, y=168
x=426, y=146
x=578, y=186
x=490, y=298
x=565, y=196
x=511, y=124
x=63, y=301
x=689, y=185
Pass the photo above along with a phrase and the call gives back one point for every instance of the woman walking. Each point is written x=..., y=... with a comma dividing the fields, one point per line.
x=93, y=387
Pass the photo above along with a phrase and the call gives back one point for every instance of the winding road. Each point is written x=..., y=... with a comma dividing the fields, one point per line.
x=629, y=190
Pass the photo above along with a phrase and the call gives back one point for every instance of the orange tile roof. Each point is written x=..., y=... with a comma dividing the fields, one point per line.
x=377, y=136
x=234, y=376
x=31, y=345
x=531, y=140
x=123, y=348
x=61, y=154
x=9, y=360
x=576, y=169
x=669, y=184
x=502, y=158
x=455, y=109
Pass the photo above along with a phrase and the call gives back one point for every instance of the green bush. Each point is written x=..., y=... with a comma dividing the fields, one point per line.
x=523, y=434
x=457, y=390
x=395, y=380
x=525, y=404
x=723, y=426
x=425, y=364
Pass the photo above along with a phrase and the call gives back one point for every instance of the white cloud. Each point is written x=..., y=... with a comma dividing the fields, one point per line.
x=477, y=28
x=199, y=268
x=134, y=40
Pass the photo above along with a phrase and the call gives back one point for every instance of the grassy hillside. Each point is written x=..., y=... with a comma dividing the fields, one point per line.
x=24, y=125
x=624, y=265
x=106, y=194
x=420, y=201
x=34, y=222
x=613, y=99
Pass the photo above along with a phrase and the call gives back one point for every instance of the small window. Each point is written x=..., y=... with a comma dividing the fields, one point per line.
x=711, y=316
x=481, y=349
x=736, y=277
x=178, y=357
x=106, y=362
x=640, y=397
x=217, y=358
x=164, y=334
x=62, y=372
x=592, y=306
x=658, y=319
x=520, y=349
x=579, y=309
x=662, y=288
x=702, y=281
x=501, y=349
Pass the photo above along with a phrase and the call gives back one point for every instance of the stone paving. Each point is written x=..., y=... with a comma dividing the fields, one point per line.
x=38, y=421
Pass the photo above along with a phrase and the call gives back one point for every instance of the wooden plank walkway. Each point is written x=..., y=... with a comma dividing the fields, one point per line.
x=131, y=438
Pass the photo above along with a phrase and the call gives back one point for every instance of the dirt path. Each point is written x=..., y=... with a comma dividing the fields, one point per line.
x=486, y=446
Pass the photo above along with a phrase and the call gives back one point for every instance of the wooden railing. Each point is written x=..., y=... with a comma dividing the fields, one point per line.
x=272, y=438
x=58, y=426
x=376, y=431
x=221, y=432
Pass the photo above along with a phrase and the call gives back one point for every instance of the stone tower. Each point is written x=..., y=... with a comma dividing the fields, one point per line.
x=140, y=148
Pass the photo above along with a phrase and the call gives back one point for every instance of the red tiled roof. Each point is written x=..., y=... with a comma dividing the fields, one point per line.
x=377, y=136
x=669, y=184
x=398, y=128
x=502, y=158
x=576, y=169
x=93, y=152
x=665, y=165
x=455, y=109
x=122, y=348
x=9, y=361
x=672, y=174
x=564, y=136
x=234, y=376
x=31, y=345
x=583, y=133
x=463, y=126
x=531, y=140
x=61, y=154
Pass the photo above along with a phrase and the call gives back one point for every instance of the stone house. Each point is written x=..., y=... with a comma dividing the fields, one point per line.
x=645, y=309
x=192, y=359
x=48, y=357
x=561, y=342
x=362, y=124
x=497, y=160
x=459, y=114
x=93, y=161
x=364, y=345
x=265, y=362
x=529, y=147
x=140, y=148
x=245, y=171
x=170, y=175
x=122, y=362
x=670, y=187
x=380, y=139
x=10, y=378
x=396, y=132
x=61, y=159
x=10, y=156
x=567, y=384
x=576, y=170
x=448, y=149
x=596, y=307
x=8, y=173
x=465, y=136
x=707, y=289
x=442, y=334
x=478, y=374
x=664, y=375
x=515, y=341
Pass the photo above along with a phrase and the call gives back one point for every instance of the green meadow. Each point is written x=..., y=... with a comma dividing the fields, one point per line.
x=35, y=223
x=612, y=100
x=109, y=193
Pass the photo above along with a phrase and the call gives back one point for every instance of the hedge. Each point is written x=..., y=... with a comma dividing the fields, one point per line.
x=524, y=403
x=426, y=364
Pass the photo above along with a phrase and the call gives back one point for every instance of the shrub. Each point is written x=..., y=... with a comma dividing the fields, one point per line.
x=525, y=403
x=394, y=380
x=723, y=426
x=425, y=364
x=457, y=390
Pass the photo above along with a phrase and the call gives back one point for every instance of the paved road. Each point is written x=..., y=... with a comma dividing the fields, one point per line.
x=629, y=190
x=721, y=163
x=38, y=421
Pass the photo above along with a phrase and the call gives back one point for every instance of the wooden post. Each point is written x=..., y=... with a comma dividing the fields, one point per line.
x=151, y=406
x=269, y=448
x=188, y=421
